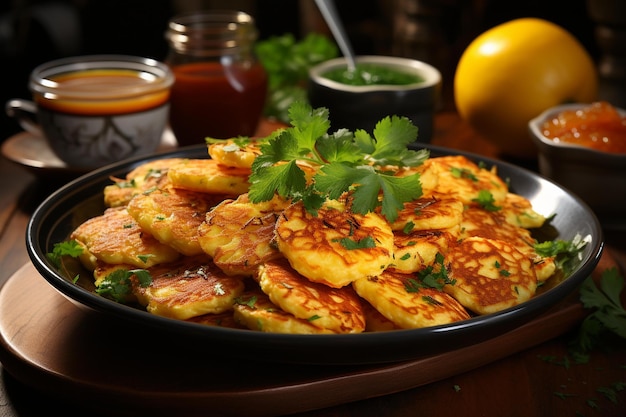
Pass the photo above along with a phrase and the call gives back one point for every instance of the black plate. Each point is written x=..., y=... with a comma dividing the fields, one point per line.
x=82, y=198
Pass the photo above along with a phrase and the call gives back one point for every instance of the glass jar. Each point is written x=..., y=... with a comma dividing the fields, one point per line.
x=220, y=87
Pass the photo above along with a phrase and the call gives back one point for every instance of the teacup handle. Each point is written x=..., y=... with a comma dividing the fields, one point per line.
x=25, y=112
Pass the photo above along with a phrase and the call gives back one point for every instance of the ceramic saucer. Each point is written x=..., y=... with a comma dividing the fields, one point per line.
x=33, y=152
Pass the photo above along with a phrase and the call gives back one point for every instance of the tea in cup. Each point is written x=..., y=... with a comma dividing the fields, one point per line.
x=98, y=109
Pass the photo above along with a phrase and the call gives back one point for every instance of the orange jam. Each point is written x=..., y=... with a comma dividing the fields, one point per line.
x=598, y=126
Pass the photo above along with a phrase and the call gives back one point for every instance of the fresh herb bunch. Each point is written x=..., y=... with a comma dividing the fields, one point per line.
x=345, y=162
x=287, y=62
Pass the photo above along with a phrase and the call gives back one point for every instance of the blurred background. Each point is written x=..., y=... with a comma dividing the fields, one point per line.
x=436, y=31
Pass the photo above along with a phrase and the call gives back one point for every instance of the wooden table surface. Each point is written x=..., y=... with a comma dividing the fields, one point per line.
x=522, y=384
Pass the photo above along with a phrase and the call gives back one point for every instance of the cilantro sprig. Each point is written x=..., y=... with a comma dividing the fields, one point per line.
x=608, y=314
x=118, y=284
x=67, y=248
x=567, y=253
x=486, y=200
x=60, y=250
x=344, y=162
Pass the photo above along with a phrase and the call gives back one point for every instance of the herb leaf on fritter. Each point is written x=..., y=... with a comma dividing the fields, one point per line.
x=345, y=163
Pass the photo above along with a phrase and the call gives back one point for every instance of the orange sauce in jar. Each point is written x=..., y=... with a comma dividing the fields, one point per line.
x=212, y=100
x=598, y=126
x=104, y=92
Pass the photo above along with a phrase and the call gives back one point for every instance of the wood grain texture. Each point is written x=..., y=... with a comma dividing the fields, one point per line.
x=48, y=342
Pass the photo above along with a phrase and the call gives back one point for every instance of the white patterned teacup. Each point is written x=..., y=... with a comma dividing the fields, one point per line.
x=97, y=109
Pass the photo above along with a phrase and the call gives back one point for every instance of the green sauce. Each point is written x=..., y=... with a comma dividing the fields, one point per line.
x=372, y=74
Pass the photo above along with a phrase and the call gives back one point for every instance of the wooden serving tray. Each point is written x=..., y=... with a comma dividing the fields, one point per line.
x=49, y=343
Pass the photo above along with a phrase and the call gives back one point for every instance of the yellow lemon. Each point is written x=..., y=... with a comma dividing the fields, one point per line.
x=514, y=71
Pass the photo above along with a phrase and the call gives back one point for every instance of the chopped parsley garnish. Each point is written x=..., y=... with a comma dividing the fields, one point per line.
x=502, y=272
x=250, y=302
x=463, y=173
x=430, y=300
x=150, y=190
x=127, y=184
x=118, y=284
x=154, y=173
x=351, y=244
x=566, y=253
x=433, y=276
x=563, y=395
x=144, y=258
x=60, y=250
x=408, y=227
x=68, y=248
x=345, y=162
x=486, y=201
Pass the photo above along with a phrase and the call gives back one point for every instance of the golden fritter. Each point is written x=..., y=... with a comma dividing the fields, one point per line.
x=414, y=251
x=231, y=154
x=221, y=222
x=191, y=224
x=207, y=176
x=428, y=213
x=173, y=215
x=376, y=322
x=238, y=234
x=226, y=319
x=103, y=270
x=147, y=176
x=401, y=299
x=544, y=267
x=86, y=258
x=494, y=225
x=255, y=311
x=191, y=287
x=334, y=247
x=460, y=178
x=249, y=248
x=336, y=309
x=519, y=211
x=115, y=238
x=490, y=275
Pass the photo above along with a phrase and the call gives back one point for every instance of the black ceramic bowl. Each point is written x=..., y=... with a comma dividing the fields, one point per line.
x=65, y=209
x=599, y=178
x=361, y=107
